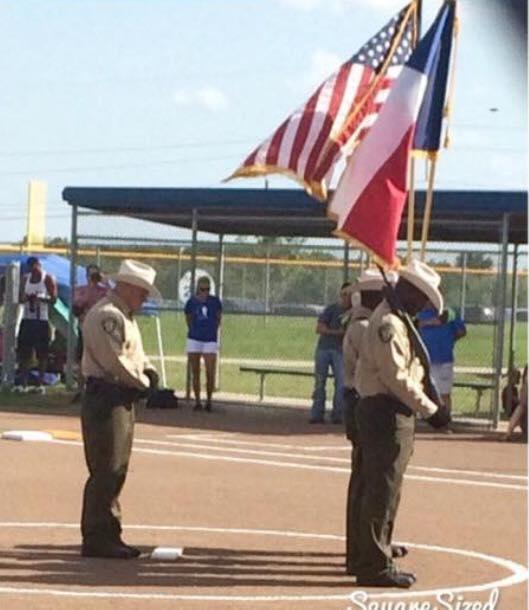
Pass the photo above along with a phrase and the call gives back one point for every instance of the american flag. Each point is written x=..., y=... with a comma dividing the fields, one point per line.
x=312, y=144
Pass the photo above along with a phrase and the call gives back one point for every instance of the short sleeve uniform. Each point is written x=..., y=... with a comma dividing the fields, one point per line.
x=440, y=340
x=332, y=317
x=204, y=318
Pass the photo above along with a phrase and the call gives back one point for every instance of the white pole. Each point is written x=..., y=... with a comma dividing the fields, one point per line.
x=11, y=296
x=500, y=319
x=160, y=349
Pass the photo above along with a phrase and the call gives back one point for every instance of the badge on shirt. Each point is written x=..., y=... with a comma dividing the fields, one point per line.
x=386, y=332
x=113, y=328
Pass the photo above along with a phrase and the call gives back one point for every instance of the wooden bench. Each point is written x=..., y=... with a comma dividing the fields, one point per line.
x=480, y=387
x=263, y=371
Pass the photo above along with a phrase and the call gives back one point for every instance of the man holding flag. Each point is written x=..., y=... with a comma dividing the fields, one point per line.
x=391, y=382
x=392, y=375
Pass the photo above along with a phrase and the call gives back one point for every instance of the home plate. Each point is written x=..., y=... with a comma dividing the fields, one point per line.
x=26, y=435
x=167, y=553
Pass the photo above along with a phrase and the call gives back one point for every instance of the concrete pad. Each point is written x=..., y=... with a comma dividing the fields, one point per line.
x=26, y=435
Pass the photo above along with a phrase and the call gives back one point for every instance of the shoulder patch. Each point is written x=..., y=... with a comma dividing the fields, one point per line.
x=386, y=332
x=113, y=328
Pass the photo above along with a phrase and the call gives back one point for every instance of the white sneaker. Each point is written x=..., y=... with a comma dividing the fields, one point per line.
x=40, y=389
x=19, y=389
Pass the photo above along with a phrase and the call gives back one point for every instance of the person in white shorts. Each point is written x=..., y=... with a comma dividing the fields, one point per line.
x=203, y=315
x=440, y=336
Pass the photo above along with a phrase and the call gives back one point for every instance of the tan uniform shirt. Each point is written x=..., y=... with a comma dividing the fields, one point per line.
x=387, y=364
x=352, y=341
x=113, y=349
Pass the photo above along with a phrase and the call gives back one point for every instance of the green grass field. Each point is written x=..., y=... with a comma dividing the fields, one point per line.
x=293, y=338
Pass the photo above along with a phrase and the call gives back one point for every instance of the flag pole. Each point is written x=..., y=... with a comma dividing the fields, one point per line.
x=451, y=82
x=428, y=206
x=433, y=159
x=411, y=206
x=411, y=162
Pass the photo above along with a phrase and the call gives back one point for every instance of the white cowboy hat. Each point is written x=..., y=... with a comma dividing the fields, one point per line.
x=371, y=279
x=137, y=274
x=425, y=279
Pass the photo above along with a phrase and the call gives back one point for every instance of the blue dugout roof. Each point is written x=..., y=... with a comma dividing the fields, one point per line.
x=462, y=216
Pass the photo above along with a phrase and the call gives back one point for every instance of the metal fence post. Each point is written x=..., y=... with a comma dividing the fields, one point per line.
x=220, y=294
x=71, y=338
x=463, y=292
x=502, y=285
x=346, y=261
x=267, y=281
x=194, y=231
x=512, y=337
x=12, y=289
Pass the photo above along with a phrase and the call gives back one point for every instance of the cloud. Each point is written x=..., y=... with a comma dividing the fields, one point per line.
x=340, y=6
x=181, y=98
x=301, y=5
x=207, y=97
x=322, y=65
x=211, y=98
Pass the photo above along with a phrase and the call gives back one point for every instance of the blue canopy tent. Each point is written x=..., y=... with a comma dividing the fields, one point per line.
x=464, y=216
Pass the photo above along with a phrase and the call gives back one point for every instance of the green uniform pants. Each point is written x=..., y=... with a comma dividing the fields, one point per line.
x=107, y=436
x=354, y=490
x=385, y=437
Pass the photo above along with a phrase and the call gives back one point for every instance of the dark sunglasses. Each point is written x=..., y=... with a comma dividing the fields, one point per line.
x=204, y=289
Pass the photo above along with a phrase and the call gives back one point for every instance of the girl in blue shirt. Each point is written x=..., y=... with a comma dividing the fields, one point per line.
x=203, y=314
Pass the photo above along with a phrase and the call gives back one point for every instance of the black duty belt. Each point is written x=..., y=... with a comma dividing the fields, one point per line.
x=115, y=393
x=388, y=402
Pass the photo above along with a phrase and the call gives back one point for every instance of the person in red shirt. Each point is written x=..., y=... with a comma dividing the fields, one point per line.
x=85, y=297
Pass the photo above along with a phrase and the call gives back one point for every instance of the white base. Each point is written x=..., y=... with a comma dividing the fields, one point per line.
x=26, y=435
x=167, y=553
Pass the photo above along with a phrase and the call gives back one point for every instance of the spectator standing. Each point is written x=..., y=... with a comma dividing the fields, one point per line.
x=440, y=335
x=366, y=294
x=203, y=316
x=510, y=395
x=519, y=416
x=38, y=292
x=85, y=297
x=329, y=355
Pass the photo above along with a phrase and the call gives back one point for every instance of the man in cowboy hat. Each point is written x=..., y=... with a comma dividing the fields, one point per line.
x=366, y=295
x=117, y=374
x=390, y=380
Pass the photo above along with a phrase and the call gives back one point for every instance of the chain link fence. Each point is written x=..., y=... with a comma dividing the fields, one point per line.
x=273, y=291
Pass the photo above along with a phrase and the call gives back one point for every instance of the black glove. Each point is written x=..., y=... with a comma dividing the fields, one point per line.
x=440, y=418
x=162, y=399
x=154, y=379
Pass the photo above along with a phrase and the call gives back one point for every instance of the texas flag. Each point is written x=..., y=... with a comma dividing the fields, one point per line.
x=370, y=197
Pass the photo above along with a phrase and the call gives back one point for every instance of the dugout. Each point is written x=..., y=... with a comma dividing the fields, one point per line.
x=496, y=217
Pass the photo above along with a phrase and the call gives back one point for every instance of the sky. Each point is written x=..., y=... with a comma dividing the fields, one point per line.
x=178, y=92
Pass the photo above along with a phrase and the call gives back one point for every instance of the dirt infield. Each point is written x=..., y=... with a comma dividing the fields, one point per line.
x=257, y=498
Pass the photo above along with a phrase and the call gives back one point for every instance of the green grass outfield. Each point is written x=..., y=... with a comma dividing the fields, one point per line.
x=281, y=338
